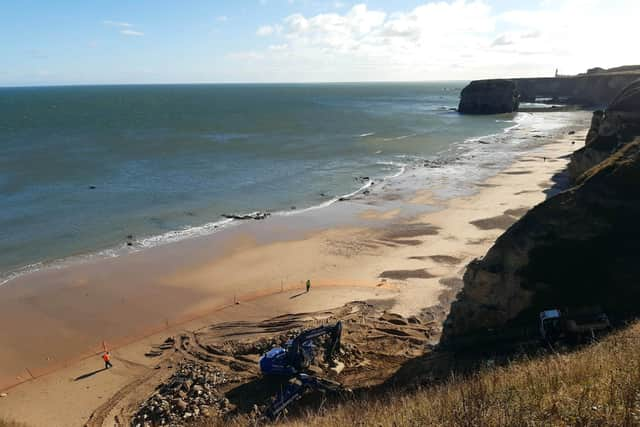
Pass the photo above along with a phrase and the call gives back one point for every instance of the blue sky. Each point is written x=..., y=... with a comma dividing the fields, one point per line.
x=168, y=41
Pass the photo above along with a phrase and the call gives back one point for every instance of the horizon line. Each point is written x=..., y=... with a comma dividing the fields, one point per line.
x=227, y=83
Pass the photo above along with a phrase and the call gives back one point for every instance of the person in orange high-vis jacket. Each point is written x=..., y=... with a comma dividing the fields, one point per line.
x=107, y=360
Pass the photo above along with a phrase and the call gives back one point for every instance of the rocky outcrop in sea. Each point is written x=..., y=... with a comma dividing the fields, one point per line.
x=489, y=97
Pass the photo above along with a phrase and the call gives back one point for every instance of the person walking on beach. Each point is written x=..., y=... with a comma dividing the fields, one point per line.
x=308, y=285
x=107, y=360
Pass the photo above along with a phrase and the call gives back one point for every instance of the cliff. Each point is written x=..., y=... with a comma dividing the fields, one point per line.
x=489, y=97
x=578, y=248
x=591, y=89
x=610, y=129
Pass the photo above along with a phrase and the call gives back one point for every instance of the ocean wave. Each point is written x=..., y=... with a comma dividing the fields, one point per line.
x=64, y=262
x=401, y=169
x=185, y=233
x=399, y=138
x=364, y=135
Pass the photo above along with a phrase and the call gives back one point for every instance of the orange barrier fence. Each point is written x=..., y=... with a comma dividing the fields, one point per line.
x=31, y=373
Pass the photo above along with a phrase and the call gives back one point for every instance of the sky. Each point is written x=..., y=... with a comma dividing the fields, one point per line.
x=45, y=42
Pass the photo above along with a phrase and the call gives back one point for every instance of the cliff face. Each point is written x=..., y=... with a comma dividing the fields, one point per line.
x=489, y=97
x=497, y=96
x=609, y=130
x=578, y=248
x=589, y=89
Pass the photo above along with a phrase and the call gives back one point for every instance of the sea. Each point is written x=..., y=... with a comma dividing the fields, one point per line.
x=94, y=170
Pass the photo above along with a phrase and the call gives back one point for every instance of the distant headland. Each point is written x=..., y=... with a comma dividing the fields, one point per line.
x=595, y=88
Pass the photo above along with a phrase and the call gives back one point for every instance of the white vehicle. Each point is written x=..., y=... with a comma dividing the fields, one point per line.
x=581, y=323
x=550, y=324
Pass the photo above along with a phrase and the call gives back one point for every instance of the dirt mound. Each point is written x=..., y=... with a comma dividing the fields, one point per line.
x=216, y=370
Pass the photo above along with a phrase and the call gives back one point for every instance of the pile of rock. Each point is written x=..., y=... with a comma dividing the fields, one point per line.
x=260, y=346
x=190, y=393
x=350, y=355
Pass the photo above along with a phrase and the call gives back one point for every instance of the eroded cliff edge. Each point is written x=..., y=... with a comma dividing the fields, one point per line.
x=610, y=130
x=578, y=248
x=504, y=95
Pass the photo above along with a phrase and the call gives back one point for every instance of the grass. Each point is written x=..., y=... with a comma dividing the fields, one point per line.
x=598, y=385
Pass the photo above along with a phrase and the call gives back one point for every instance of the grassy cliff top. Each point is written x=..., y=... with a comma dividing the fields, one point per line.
x=596, y=385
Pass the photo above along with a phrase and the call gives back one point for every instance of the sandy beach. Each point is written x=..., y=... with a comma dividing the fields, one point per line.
x=408, y=254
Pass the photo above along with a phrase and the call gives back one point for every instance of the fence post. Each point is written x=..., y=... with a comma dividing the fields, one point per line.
x=32, y=377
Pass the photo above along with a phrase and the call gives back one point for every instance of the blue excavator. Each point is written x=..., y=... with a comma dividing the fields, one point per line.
x=293, y=359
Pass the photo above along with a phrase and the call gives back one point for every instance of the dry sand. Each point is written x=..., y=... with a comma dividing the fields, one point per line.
x=54, y=322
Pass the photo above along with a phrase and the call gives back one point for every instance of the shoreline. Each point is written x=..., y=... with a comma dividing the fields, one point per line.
x=405, y=253
x=132, y=246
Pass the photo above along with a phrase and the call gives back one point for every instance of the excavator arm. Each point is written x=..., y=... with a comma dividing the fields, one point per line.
x=293, y=359
x=296, y=357
x=296, y=389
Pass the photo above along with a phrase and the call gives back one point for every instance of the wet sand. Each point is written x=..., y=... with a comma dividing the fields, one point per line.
x=58, y=319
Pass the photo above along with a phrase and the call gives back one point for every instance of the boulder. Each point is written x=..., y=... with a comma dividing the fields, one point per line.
x=489, y=97
x=181, y=404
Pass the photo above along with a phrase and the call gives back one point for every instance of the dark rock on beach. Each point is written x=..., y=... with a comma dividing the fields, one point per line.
x=254, y=215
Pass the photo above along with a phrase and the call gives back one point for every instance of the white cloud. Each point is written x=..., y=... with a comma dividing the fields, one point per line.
x=132, y=33
x=265, y=30
x=278, y=47
x=126, y=29
x=503, y=40
x=532, y=34
x=117, y=24
x=222, y=18
x=450, y=39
